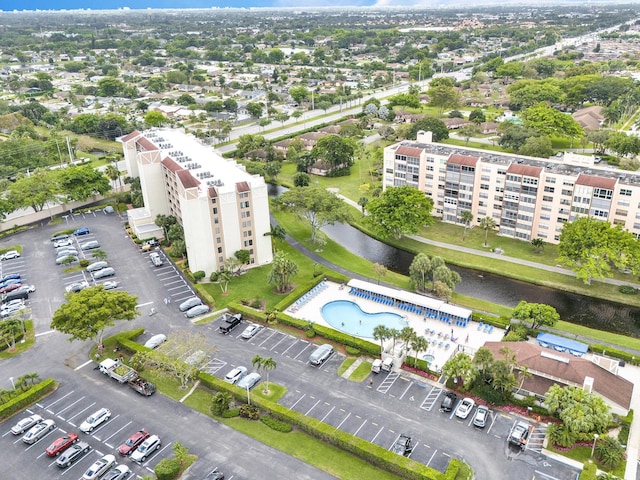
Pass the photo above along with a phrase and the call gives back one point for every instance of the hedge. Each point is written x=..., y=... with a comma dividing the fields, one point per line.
x=363, y=346
x=27, y=398
x=374, y=454
x=499, y=322
x=167, y=469
x=304, y=288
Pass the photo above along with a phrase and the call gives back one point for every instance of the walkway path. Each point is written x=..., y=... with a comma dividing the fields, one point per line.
x=352, y=368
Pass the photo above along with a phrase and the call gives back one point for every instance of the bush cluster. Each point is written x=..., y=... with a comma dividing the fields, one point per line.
x=167, y=469
x=249, y=411
x=276, y=425
x=231, y=413
x=628, y=290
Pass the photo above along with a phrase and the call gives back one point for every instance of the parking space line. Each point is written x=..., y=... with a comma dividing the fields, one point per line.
x=495, y=417
x=363, y=424
x=40, y=440
x=287, y=349
x=328, y=413
x=376, y=435
x=292, y=406
x=344, y=420
x=77, y=462
x=279, y=341
x=59, y=400
x=103, y=425
x=83, y=365
x=314, y=406
x=388, y=382
x=307, y=346
x=406, y=390
x=80, y=412
x=274, y=332
x=114, y=434
x=431, y=459
x=68, y=407
x=413, y=449
x=156, y=454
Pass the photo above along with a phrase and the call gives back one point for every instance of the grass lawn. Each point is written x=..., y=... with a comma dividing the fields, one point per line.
x=23, y=345
x=276, y=392
x=582, y=454
x=345, y=365
x=361, y=372
x=611, y=338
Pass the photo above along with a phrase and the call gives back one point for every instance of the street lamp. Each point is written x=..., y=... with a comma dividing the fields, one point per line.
x=595, y=439
x=248, y=395
x=12, y=384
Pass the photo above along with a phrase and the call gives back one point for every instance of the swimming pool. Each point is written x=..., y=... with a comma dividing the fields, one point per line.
x=348, y=317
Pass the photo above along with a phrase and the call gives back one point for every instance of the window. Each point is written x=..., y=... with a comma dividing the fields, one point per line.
x=218, y=240
x=219, y=249
x=550, y=180
x=602, y=193
x=215, y=210
x=625, y=192
x=549, y=189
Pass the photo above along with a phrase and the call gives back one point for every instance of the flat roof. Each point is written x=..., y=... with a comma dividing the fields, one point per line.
x=206, y=166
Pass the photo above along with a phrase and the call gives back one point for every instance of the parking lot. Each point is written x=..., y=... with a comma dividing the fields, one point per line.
x=69, y=408
x=394, y=404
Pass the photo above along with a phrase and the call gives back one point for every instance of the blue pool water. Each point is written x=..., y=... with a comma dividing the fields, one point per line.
x=348, y=317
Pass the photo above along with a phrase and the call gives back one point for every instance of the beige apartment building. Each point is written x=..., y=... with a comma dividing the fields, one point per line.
x=220, y=206
x=527, y=197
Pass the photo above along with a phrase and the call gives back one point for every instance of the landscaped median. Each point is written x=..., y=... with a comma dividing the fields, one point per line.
x=27, y=398
x=364, y=457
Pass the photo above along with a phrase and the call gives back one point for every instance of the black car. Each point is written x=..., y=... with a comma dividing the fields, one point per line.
x=229, y=322
x=402, y=445
x=215, y=475
x=448, y=402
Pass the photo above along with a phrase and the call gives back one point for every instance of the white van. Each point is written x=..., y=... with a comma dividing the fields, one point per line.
x=376, y=365
x=387, y=364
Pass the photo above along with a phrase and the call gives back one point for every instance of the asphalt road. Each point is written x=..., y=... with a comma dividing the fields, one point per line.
x=394, y=404
x=83, y=389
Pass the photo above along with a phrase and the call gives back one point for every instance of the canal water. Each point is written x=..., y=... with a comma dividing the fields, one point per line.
x=600, y=314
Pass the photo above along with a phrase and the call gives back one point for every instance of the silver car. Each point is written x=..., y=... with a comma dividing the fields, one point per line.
x=118, y=473
x=105, y=272
x=25, y=424
x=197, y=310
x=250, y=331
x=38, y=431
x=72, y=454
x=63, y=259
x=250, y=381
x=147, y=447
x=190, y=303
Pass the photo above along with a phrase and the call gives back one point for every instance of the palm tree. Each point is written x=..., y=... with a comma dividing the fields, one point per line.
x=277, y=233
x=418, y=344
x=268, y=364
x=99, y=254
x=537, y=244
x=487, y=223
x=466, y=217
x=381, y=333
x=112, y=172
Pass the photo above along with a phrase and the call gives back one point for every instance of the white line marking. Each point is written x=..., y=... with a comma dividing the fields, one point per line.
x=345, y=419
x=329, y=413
x=356, y=432
x=314, y=406
x=44, y=333
x=292, y=406
x=83, y=365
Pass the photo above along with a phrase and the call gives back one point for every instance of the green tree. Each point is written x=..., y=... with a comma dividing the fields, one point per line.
x=399, y=211
x=336, y=151
x=609, y=453
x=380, y=271
x=81, y=182
x=418, y=344
x=362, y=201
x=537, y=147
x=429, y=124
x=34, y=190
x=276, y=232
x=443, y=97
x=165, y=222
x=381, y=333
x=419, y=271
x=220, y=403
x=486, y=224
x=10, y=330
x=477, y=116
x=255, y=109
x=537, y=244
x=155, y=119
x=579, y=410
x=301, y=179
x=483, y=360
x=266, y=364
x=87, y=313
x=316, y=205
x=466, y=217
x=460, y=369
x=282, y=269
x=468, y=131
x=222, y=278
x=547, y=120
x=538, y=314
x=590, y=247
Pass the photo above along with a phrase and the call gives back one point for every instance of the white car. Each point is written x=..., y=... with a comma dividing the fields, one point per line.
x=12, y=305
x=76, y=286
x=9, y=255
x=465, y=407
x=95, y=420
x=25, y=424
x=99, y=467
x=65, y=242
x=147, y=447
x=250, y=331
x=118, y=473
x=38, y=431
x=110, y=285
x=8, y=311
x=236, y=374
x=155, y=341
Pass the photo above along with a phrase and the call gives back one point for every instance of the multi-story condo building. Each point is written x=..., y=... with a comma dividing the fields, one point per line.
x=220, y=206
x=527, y=197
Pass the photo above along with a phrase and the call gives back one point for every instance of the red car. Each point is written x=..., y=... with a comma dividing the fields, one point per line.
x=10, y=288
x=61, y=444
x=132, y=443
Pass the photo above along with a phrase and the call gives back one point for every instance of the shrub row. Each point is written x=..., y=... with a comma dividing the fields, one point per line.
x=275, y=424
x=167, y=469
x=27, y=398
x=374, y=454
x=304, y=288
x=499, y=322
x=614, y=352
x=125, y=340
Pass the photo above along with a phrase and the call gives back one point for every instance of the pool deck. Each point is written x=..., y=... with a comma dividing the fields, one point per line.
x=470, y=336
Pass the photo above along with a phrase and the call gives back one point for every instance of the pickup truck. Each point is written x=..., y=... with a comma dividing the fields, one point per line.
x=141, y=386
x=117, y=370
x=229, y=322
x=520, y=434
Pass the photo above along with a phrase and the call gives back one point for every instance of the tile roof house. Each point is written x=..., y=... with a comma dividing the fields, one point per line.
x=589, y=118
x=548, y=367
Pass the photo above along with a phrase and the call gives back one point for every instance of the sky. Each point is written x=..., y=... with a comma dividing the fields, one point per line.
x=7, y=5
